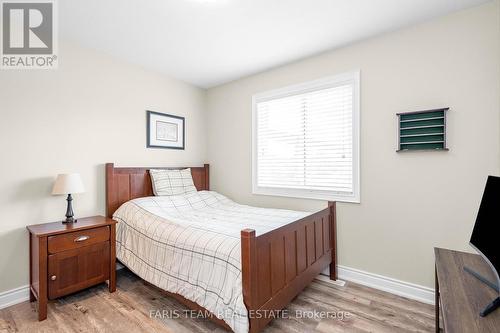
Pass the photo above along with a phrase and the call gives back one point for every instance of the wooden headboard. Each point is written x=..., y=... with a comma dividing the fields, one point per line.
x=124, y=184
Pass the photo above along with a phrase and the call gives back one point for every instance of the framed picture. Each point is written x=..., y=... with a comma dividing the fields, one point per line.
x=165, y=131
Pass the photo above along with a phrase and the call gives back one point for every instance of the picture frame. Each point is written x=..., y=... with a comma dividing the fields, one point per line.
x=165, y=131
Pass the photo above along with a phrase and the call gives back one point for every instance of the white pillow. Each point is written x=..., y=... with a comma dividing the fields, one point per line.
x=172, y=182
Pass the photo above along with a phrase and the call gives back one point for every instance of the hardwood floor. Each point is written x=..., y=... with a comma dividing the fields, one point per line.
x=129, y=310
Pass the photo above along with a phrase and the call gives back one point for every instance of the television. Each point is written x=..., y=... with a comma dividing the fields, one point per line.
x=485, y=237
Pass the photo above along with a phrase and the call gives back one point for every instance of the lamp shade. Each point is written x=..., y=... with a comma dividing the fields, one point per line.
x=68, y=183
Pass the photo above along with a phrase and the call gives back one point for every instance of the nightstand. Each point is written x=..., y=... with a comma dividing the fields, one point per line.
x=65, y=258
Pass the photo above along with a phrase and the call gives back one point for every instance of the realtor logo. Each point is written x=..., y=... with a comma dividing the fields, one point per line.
x=28, y=35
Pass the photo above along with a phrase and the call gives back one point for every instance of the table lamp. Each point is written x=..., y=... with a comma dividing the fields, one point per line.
x=70, y=183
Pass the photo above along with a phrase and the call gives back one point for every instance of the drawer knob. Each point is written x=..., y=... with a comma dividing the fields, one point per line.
x=53, y=277
x=81, y=238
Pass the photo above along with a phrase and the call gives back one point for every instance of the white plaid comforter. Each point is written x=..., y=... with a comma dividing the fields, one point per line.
x=190, y=245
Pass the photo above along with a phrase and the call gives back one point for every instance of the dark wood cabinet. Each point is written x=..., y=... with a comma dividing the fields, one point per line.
x=65, y=258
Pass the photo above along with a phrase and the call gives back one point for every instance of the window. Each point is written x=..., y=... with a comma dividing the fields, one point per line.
x=306, y=140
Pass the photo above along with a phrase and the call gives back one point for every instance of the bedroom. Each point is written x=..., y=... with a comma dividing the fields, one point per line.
x=207, y=64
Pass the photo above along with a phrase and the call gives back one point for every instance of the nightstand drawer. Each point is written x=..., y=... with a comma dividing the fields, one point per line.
x=77, y=239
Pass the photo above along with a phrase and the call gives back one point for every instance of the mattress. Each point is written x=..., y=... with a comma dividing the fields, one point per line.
x=190, y=245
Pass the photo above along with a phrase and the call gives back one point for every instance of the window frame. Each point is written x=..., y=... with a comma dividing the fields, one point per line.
x=323, y=83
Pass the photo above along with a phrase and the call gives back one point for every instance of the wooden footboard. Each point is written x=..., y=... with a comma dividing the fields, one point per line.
x=277, y=265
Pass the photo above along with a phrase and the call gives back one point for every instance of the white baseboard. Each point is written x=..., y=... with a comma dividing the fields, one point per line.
x=384, y=283
x=393, y=286
x=14, y=296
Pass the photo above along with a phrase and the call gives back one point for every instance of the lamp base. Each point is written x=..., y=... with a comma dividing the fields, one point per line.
x=69, y=220
x=69, y=211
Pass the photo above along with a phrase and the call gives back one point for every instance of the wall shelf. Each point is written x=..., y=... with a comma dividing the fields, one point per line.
x=422, y=130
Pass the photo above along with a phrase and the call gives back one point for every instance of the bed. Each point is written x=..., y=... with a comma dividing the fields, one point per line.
x=238, y=263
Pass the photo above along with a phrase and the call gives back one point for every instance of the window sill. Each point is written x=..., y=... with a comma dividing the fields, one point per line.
x=306, y=195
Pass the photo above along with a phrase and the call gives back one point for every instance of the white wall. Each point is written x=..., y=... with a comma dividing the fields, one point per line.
x=92, y=110
x=410, y=202
x=74, y=119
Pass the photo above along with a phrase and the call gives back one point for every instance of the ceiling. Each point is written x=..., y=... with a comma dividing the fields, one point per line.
x=210, y=42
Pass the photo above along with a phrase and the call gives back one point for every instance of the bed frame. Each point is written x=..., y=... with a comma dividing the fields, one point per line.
x=276, y=266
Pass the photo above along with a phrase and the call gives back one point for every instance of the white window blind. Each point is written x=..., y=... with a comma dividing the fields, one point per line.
x=304, y=140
